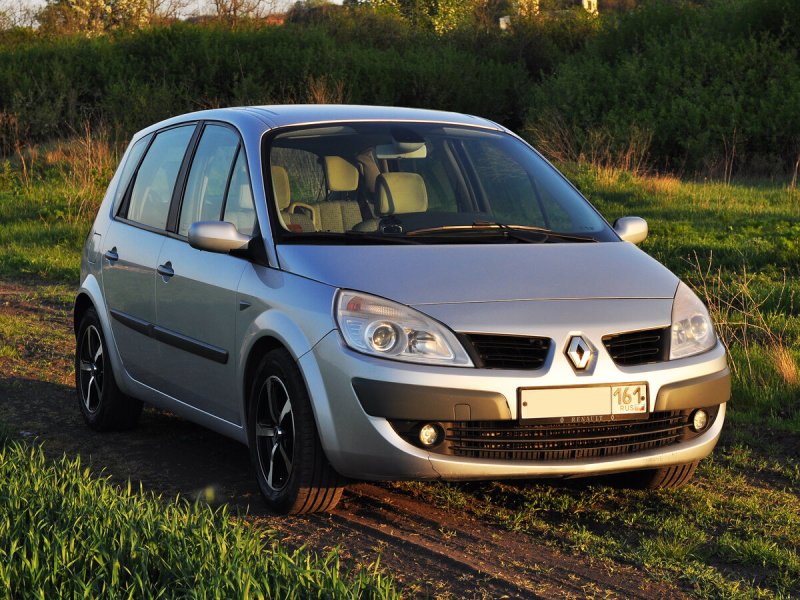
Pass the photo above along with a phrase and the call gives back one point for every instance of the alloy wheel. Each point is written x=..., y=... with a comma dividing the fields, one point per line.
x=275, y=433
x=91, y=368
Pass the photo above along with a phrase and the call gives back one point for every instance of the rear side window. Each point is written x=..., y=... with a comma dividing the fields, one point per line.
x=208, y=177
x=155, y=180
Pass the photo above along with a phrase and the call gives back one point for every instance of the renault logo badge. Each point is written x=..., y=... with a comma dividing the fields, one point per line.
x=580, y=353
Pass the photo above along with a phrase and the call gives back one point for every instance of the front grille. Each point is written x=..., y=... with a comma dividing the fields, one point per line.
x=509, y=351
x=638, y=347
x=509, y=440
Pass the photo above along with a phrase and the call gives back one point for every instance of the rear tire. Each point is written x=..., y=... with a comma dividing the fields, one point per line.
x=665, y=478
x=293, y=473
x=103, y=405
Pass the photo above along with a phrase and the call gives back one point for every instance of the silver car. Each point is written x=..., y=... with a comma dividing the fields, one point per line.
x=387, y=293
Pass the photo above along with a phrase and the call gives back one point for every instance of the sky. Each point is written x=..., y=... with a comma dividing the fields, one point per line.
x=14, y=6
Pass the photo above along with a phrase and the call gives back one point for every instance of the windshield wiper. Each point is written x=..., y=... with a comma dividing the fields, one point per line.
x=348, y=236
x=516, y=232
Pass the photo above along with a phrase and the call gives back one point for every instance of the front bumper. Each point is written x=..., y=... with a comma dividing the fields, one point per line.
x=355, y=397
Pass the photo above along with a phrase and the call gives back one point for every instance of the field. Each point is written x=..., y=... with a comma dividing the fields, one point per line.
x=734, y=532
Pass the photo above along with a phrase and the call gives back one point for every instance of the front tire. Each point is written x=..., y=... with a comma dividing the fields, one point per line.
x=672, y=477
x=293, y=473
x=103, y=405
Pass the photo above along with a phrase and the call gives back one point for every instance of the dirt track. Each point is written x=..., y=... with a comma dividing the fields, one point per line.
x=432, y=551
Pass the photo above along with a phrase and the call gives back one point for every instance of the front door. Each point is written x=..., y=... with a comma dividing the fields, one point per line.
x=196, y=329
x=196, y=291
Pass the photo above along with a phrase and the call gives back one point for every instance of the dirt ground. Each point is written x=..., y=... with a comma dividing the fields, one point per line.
x=431, y=552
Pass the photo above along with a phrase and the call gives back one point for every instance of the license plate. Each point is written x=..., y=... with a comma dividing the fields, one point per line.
x=628, y=399
x=576, y=404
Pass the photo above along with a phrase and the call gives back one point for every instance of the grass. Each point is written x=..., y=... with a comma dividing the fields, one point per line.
x=739, y=246
x=48, y=199
x=67, y=534
x=735, y=532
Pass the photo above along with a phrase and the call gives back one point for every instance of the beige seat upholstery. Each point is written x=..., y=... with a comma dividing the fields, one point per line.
x=338, y=215
x=280, y=185
x=341, y=175
x=340, y=211
x=283, y=197
x=397, y=193
x=401, y=193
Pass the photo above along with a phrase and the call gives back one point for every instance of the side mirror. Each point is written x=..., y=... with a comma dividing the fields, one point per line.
x=217, y=236
x=631, y=229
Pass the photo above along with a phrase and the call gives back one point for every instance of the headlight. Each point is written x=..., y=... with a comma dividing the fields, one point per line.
x=384, y=328
x=692, y=329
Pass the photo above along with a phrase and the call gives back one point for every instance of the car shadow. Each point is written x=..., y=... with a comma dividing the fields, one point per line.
x=168, y=455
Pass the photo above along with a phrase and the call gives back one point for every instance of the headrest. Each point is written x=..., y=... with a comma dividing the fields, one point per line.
x=342, y=176
x=400, y=193
x=280, y=184
x=245, y=196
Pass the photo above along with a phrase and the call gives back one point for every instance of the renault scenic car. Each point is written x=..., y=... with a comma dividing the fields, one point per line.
x=383, y=293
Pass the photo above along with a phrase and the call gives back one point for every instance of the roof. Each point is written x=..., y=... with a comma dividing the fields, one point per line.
x=281, y=115
x=298, y=114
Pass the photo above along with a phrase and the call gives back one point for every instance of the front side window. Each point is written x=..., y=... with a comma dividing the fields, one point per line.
x=348, y=183
x=155, y=180
x=208, y=177
x=239, y=208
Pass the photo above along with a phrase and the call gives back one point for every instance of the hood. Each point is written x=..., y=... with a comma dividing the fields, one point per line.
x=457, y=273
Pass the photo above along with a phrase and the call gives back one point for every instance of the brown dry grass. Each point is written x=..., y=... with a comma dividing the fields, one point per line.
x=785, y=364
x=321, y=90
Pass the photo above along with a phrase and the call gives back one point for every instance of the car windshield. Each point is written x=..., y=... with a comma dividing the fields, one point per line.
x=421, y=183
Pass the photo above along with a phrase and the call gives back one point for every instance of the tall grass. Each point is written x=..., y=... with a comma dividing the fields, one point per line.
x=67, y=534
x=737, y=246
x=49, y=195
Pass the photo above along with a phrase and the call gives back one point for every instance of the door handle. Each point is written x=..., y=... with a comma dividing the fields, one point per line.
x=111, y=255
x=165, y=270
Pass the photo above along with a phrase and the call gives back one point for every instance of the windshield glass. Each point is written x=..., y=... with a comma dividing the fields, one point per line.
x=421, y=183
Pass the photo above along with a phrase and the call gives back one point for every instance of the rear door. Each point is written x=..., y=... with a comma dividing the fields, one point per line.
x=196, y=292
x=132, y=245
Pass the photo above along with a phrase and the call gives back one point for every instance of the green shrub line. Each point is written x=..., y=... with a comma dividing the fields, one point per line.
x=65, y=533
x=131, y=80
x=712, y=89
x=705, y=87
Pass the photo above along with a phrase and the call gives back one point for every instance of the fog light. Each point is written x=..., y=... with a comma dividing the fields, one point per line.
x=429, y=435
x=699, y=420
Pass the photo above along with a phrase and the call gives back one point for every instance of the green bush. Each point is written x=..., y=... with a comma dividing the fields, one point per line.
x=131, y=80
x=716, y=88
x=66, y=534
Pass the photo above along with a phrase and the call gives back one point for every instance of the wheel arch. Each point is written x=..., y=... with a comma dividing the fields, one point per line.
x=83, y=302
x=257, y=351
x=90, y=296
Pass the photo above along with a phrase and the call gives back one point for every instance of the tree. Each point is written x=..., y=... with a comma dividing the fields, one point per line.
x=16, y=13
x=93, y=17
x=233, y=10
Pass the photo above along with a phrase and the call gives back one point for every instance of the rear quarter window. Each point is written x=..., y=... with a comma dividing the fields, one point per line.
x=129, y=167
